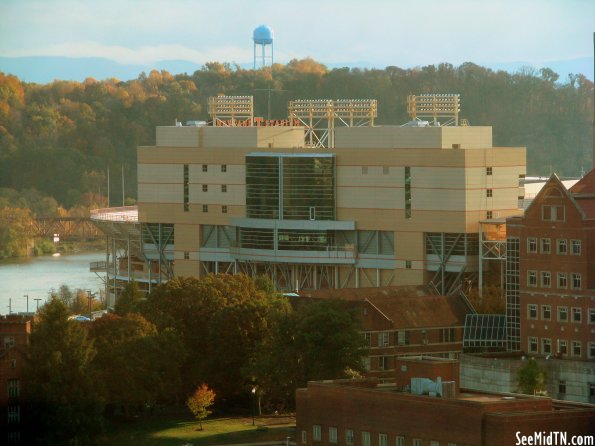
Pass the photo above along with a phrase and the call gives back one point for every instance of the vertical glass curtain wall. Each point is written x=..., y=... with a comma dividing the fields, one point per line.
x=290, y=186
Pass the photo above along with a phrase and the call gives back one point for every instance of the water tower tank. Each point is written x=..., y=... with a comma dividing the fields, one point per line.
x=263, y=35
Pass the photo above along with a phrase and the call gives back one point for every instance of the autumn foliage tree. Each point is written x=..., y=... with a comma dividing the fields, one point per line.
x=199, y=403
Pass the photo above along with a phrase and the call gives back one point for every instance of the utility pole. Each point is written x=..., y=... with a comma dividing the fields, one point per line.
x=27, y=296
x=37, y=302
x=10, y=305
x=123, y=201
x=90, y=297
x=108, y=186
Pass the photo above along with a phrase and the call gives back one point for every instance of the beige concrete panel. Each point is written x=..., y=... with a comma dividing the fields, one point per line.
x=187, y=237
x=269, y=137
x=174, y=213
x=161, y=193
x=393, y=220
x=257, y=137
x=370, y=176
x=362, y=197
x=413, y=137
x=502, y=198
x=160, y=173
x=405, y=277
x=437, y=199
x=177, y=136
x=497, y=156
x=410, y=246
x=187, y=268
x=235, y=195
x=476, y=137
x=235, y=174
x=400, y=157
x=437, y=177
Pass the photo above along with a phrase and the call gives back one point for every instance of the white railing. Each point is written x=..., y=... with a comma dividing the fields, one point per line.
x=123, y=213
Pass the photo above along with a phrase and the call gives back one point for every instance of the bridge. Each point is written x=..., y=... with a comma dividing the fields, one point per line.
x=69, y=228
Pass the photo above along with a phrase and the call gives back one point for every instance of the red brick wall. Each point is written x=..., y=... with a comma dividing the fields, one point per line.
x=393, y=413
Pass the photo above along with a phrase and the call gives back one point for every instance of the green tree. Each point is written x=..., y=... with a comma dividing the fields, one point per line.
x=129, y=300
x=15, y=231
x=137, y=365
x=222, y=319
x=319, y=340
x=531, y=378
x=60, y=379
x=200, y=401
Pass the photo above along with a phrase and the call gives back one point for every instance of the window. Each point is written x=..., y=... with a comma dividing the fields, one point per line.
x=416, y=442
x=205, y=187
x=434, y=443
x=561, y=386
x=591, y=392
x=365, y=438
x=563, y=314
x=489, y=193
x=591, y=349
x=186, y=188
x=577, y=315
x=205, y=168
x=407, y=264
x=489, y=215
x=383, y=339
x=332, y=435
x=531, y=278
x=385, y=170
x=224, y=188
x=382, y=363
x=562, y=347
x=368, y=338
x=14, y=413
x=407, y=192
x=402, y=337
x=591, y=315
x=562, y=247
x=205, y=208
x=532, y=345
x=532, y=311
x=552, y=213
x=546, y=346
x=576, y=281
x=13, y=388
x=224, y=209
x=546, y=246
x=447, y=335
x=577, y=347
x=575, y=247
x=532, y=244
x=400, y=441
x=349, y=437
x=316, y=433
x=382, y=440
x=546, y=279
x=223, y=167
x=186, y=255
x=8, y=342
x=364, y=170
x=488, y=170
x=562, y=280
x=546, y=312
x=366, y=363
x=304, y=437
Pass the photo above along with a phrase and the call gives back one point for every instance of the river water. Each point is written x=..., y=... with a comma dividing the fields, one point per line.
x=37, y=276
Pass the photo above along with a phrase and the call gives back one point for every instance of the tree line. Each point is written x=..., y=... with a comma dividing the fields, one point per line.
x=61, y=137
x=231, y=333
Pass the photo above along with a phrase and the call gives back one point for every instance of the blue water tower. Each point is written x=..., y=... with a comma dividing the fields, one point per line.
x=263, y=36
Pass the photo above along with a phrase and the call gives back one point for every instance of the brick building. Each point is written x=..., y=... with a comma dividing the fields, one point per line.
x=14, y=335
x=368, y=413
x=551, y=273
x=403, y=321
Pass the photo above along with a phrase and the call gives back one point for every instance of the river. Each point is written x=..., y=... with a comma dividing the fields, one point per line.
x=37, y=276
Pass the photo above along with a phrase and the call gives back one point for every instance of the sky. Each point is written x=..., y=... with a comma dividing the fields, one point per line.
x=372, y=33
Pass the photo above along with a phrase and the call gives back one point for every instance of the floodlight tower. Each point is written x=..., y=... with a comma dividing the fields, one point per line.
x=263, y=36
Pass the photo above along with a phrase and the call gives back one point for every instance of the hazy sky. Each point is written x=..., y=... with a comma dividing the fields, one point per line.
x=378, y=32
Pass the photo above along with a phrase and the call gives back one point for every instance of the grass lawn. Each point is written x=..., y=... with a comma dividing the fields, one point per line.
x=217, y=431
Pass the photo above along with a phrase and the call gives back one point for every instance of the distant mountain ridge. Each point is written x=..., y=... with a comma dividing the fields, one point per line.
x=45, y=69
